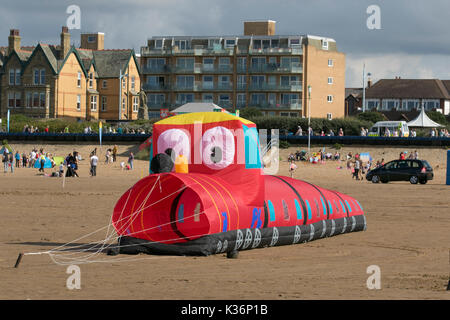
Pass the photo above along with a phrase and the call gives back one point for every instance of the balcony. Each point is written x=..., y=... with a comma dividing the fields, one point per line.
x=146, y=51
x=294, y=86
x=292, y=105
x=276, y=68
x=156, y=87
x=293, y=51
x=208, y=68
x=156, y=69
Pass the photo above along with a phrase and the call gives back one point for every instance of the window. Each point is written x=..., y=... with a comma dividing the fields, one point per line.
x=257, y=99
x=224, y=82
x=91, y=39
x=257, y=44
x=185, y=82
x=208, y=64
x=241, y=82
x=275, y=43
x=390, y=104
x=325, y=44
x=79, y=80
x=208, y=82
x=330, y=62
x=104, y=84
x=208, y=97
x=213, y=42
x=258, y=63
x=330, y=98
x=294, y=42
x=372, y=104
x=329, y=116
x=123, y=83
x=410, y=104
x=104, y=103
x=290, y=99
x=35, y=99
x=182, y=44
x=430, y=104
x=155, y=99
x=78, y=102
x=133, y=82
x=156, y=63
x=183, y=98
x=330, y=80
x=258, y=81
x=224, y=64
x=11, y=101
x=135, y=104
x=229, y=43
x=91, y=80
x=42, y=76
x=17, y=76
x=124, y=103
x=42, y=99
x=93, y=103
x=36, y=76
x=241, y=64
x=185, y=63
x=29, y=100
x=224, y=99
x=241, y=100
x=272, y=99
x=18, y=97
x=11, y=77
x=158, y=43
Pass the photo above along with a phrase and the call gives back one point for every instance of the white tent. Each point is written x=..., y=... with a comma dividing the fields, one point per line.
x=198, y=107
x=422, y=121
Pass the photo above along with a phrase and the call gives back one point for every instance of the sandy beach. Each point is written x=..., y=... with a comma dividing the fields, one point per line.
x=407, y=236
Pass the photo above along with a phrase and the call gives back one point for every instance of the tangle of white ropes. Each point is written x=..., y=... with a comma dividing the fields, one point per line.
x=87, y=253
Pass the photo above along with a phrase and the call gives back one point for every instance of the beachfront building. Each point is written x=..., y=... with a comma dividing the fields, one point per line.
x=258, y=69
x=403, y=99
x=61, y=81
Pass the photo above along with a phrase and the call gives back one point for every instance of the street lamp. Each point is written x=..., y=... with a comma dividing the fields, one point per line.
x=364, y=87
x=309, y=120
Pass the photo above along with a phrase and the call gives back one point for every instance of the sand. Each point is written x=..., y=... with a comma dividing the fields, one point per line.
x=407, y=237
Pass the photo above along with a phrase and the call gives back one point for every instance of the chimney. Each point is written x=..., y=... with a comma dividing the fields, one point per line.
x=93, y=41
x=369, y=83
x=65, y=42
x=259, y=28
x=13, y=41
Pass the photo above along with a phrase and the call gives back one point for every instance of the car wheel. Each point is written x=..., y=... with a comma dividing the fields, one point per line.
x=413, y=179
x=423, y=181
x=375, y=179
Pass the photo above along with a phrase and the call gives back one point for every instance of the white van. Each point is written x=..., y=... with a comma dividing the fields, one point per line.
x=388, y=129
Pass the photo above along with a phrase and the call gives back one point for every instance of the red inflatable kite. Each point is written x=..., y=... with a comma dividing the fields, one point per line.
x=207, y=193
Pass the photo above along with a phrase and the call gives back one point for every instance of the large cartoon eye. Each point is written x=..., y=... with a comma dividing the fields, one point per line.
x=218, y=148
x=174, y=142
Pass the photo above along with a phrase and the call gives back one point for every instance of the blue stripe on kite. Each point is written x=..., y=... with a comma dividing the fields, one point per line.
x=181, y=213
x=342, y=205
x=309, y=209
x=299, y=210
x=348, y=205
x=331, y=207
x=271, y=210
x=359, y=205
x=324, y=207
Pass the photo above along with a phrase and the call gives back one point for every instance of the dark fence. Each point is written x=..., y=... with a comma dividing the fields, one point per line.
x=138, y=138
x=357, y=140
x=74, y=137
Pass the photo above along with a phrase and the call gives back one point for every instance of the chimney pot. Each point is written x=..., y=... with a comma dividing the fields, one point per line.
x=65, y=29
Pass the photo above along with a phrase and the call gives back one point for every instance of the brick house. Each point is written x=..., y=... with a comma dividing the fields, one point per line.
x=61, y=81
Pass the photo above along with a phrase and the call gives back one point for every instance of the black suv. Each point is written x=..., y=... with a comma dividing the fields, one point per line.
x=402, y=170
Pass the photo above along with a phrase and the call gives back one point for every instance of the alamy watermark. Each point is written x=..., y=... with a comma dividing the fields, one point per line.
x=74, y=280
x=74, y=20
x=374, y=281
x=374, y=20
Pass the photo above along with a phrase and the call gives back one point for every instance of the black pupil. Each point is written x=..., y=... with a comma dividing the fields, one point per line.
x=216, y=154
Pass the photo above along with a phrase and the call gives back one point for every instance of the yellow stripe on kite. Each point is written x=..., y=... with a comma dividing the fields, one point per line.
x=203, y=117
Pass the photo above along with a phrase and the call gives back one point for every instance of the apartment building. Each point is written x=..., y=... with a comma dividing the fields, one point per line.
x=61, y=81
x=258, y=69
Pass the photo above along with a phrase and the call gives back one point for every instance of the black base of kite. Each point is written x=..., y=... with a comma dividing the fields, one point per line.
x=244, y=239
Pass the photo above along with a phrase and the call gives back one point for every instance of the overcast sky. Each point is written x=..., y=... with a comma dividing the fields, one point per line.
x=413, y=42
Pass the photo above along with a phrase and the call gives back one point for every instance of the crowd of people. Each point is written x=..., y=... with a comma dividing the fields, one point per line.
x=87, y=130
x=67, y=166
x=322, y=133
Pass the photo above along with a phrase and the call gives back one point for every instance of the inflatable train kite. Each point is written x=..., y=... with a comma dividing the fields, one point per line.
x=206, y=194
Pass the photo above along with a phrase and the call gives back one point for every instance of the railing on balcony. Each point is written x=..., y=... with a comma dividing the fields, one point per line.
x=156, y=69
x=276, y=51
x=156, y=87
x=292, y=86
x=274, y=67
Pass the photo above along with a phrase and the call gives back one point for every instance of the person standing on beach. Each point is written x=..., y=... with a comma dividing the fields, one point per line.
x=17, y=156
x=42, y=162
x=94, y=161
x=5, y=161
x=130, y=160
x=114, y=153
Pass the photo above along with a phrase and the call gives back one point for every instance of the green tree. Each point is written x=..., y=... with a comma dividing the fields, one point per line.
x=250, y=112
x=372, y=116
